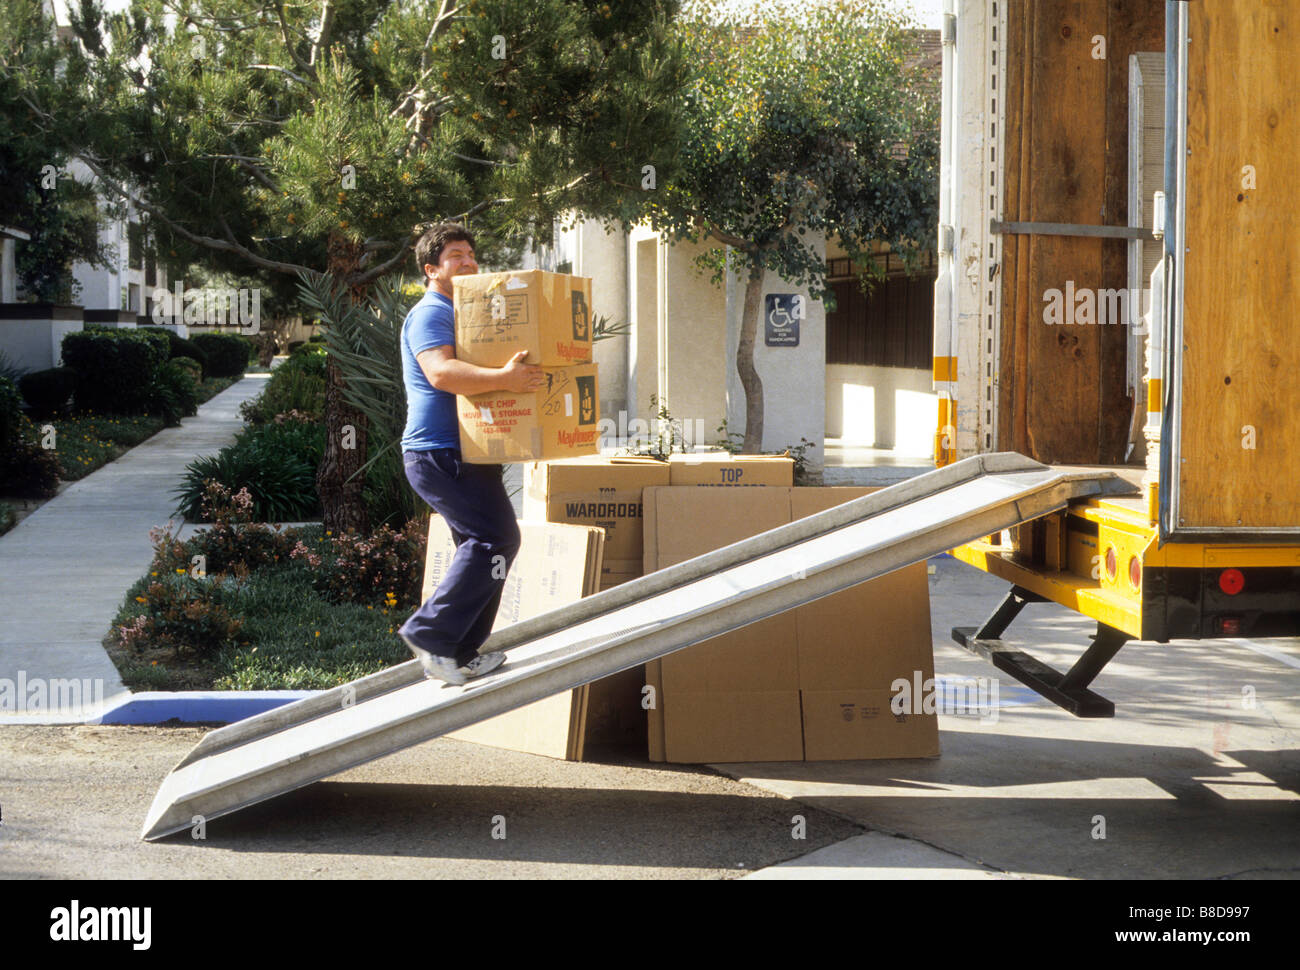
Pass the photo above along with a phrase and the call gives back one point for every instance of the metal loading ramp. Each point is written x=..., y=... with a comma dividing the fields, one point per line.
x=299, y=743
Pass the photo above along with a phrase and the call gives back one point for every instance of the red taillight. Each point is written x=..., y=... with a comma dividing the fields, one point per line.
x=1231, y=581
x=1135, y=572
x=1228, y=626
x=1111, y=564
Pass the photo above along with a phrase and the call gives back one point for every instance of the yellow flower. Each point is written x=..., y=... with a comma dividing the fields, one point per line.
x=141, y=599
x=318, y=633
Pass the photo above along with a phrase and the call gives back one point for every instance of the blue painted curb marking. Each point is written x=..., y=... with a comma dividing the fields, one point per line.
x=189, y=707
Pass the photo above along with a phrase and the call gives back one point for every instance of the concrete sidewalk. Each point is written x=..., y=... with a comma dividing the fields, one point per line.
x=65, y=568
x=1196, y=777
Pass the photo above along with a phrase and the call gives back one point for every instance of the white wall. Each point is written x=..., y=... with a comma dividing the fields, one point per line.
x=794, y=378
x=643, y=312
x=695, y=320
x=603, y=257
x=881, y=407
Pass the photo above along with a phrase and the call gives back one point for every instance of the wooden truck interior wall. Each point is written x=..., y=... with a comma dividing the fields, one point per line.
x=1063, y=390
x=1240, y=424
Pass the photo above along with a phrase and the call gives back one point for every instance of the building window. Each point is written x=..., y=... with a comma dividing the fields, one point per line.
x=134, y=245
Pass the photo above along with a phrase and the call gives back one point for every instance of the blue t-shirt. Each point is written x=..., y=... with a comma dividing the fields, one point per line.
x=430, y=413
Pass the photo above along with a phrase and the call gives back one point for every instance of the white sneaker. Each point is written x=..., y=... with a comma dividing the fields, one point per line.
x=484, y=663
x=436, y=667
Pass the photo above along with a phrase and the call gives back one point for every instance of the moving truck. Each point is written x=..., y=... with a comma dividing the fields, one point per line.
x=1118, y=287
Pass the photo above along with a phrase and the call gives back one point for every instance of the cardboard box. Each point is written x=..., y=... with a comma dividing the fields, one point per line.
x=682, y=523
x=500, y=314
x=850, y=724
x=720, y=468
x=559, y=421
x=722, y=726
x=556, y=565
x=595, y=491
x=869, y=635
x=729, y=698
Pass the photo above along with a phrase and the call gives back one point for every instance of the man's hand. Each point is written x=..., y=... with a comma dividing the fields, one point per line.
x=521, y=378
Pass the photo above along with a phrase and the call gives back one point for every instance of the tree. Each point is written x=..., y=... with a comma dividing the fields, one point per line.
x=327, y=135
x=60, y=214
x=799, y=119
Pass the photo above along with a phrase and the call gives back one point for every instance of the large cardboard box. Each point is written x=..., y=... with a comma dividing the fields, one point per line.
x=500, y=314
x=554, y=567
x=720, y=468
x=596, y=491
x=558, y=421
x=850, y=724
x=855, y=638
x=809, y=683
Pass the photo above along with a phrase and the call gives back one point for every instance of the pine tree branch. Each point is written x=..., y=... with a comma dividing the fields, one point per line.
x=322, y=39
x=249, y=165
x=283, y=70
x=209, y=242
x=288, y=44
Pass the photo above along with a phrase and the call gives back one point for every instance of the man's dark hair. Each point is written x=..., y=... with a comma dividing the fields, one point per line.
x=429, y=249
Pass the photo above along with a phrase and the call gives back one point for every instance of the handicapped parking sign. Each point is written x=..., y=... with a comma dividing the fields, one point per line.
x=782, y=313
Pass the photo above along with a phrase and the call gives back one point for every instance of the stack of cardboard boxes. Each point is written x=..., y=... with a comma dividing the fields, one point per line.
x=549, y=316
x=812, y=683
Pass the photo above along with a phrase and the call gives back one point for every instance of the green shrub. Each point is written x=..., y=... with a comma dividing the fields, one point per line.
x=173, y=394
x=115, y=368
x=275, y=462
x=11, y=413
x=309, y=358
x=190, y=366
x=385, y=568
x=226, y=353
x=182, y=611
x=47, y=392
x=26, y=469
x=289, y=389
x=178, y=346
x=234, y=544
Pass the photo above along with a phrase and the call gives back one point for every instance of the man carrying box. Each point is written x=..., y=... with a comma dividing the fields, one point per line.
x=447, y=630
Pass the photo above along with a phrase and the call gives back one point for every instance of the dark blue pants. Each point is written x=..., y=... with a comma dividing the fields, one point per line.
x=458, y=617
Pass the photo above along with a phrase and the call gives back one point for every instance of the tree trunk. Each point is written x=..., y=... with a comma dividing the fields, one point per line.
x=749, y=378
x=341, y=490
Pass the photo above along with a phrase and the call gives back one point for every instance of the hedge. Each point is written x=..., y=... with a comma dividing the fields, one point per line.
x=115, y=368
x=178, y=346
x=226, y=353
x=48, y=391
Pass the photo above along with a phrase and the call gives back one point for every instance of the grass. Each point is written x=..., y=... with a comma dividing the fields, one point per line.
x=89, y=441
x=7, y=517
x=292, y=638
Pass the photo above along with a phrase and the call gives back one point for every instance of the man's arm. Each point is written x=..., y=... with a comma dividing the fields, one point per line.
x=446, y=373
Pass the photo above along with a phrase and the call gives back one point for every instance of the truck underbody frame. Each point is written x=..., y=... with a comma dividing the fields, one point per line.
x=1069, y=690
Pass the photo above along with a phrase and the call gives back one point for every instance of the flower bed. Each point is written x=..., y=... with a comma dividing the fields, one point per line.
x=247, y=606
